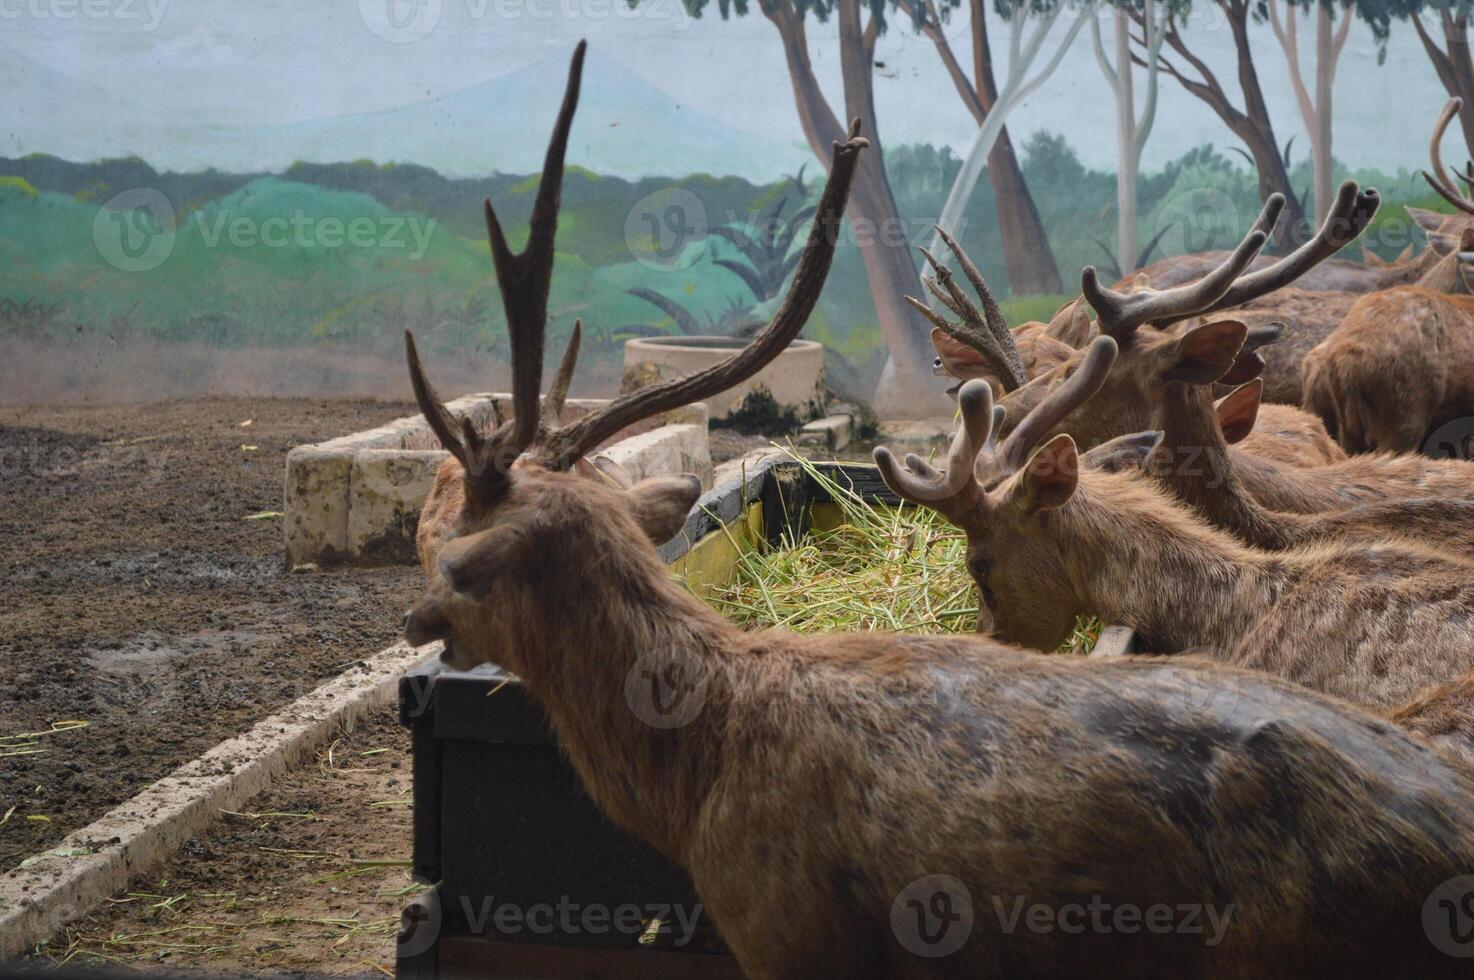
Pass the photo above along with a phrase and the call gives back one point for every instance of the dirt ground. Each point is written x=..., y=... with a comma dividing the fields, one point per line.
x=310, y=881
x=148, y=612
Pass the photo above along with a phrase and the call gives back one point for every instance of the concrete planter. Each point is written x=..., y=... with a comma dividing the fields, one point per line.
x=357, y=499
x=795, y=379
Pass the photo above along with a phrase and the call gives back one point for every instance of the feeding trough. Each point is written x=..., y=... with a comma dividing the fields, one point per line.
x=521, y=858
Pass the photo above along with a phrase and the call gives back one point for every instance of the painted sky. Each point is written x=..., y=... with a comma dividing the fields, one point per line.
x=88, y=78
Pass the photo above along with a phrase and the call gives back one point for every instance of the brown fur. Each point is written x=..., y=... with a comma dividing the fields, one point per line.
x=1400, y=365
x=823, y=774
x=1288, y=435
x=1443, y=717
x=1370, y=622
x=1207, y=482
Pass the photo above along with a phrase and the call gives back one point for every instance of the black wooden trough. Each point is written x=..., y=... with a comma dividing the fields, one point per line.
x=530, y=880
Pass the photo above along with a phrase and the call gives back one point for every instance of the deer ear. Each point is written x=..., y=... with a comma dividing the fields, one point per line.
x=1122, y=453
x=1238, y=410
x=1204, y=354
x=471, y=564
x=1050, y=476
x=1425, y=219
x=958, y=359
x=1071, y=325
x=660, y=504
x=1250, y=363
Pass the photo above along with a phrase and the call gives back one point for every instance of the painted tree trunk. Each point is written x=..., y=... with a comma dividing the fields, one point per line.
x=1320, y=139
x=907, y=388
x=1127, y=154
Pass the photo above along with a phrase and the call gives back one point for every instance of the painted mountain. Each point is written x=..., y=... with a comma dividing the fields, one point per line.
x=626, y=127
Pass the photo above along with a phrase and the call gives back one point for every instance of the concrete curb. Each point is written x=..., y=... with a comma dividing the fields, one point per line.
x=60, y=885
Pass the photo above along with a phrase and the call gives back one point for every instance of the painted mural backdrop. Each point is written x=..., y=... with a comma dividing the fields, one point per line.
x=260, y=197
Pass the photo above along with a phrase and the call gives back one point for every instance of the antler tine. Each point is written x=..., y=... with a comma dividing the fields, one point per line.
x=1449, y=194
x=577, y=438
x=1120, y=314
x=1068, y=396
x=1439, y=179
x=919, y=482
x=986, y=330
x=525, y=278
x=563, y=380
x=1348, y=217
x=442, y=423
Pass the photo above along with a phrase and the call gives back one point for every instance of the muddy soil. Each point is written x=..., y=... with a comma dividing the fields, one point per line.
x=146, y=596
x=310, y=881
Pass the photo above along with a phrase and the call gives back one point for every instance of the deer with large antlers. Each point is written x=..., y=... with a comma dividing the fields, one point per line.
x=820, y=784
x=1048, y=542
x=980, y=344
x=1157, y=365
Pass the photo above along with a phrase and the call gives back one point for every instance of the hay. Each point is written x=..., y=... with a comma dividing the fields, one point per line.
x=903, y=570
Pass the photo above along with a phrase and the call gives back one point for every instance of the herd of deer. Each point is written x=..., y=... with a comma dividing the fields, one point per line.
x=1309, y=764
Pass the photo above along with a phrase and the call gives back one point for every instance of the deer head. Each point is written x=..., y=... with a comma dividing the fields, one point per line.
x=526, y=520
x=1224, y=350
x=1001, y=496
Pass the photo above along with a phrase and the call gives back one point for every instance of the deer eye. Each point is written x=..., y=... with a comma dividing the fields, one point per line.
x=978, y=568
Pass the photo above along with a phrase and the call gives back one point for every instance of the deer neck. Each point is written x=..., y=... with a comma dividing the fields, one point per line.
x=634, y=673
x=1137, y=558
x=1195, y=463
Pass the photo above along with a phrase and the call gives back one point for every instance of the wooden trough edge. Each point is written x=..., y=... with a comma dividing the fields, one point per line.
x=64, y=883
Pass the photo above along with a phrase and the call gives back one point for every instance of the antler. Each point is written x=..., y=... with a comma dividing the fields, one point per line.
x=524, y=279
x=1227, y=286
x=1121, y=313
x=985, y=331
x=566, y=444
x=1348, y=217
x=975, y=462
x=1439, y=179
x=558, y=393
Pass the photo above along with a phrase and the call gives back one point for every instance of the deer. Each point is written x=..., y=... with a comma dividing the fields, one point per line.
x=1156, y=365
x=1369, y=621
x=1397, y=368
x=826, y=792
x=1205, y=481
x=980, y=344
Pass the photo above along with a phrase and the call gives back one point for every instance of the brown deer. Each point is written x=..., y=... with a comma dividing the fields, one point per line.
x=1400, y=365
x=1373, y=622
x=979, y=344
x=827, y=793
x=1156, y=365
x=1204, y=479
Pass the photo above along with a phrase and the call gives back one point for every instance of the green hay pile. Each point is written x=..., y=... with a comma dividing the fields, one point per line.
x=903, y=570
